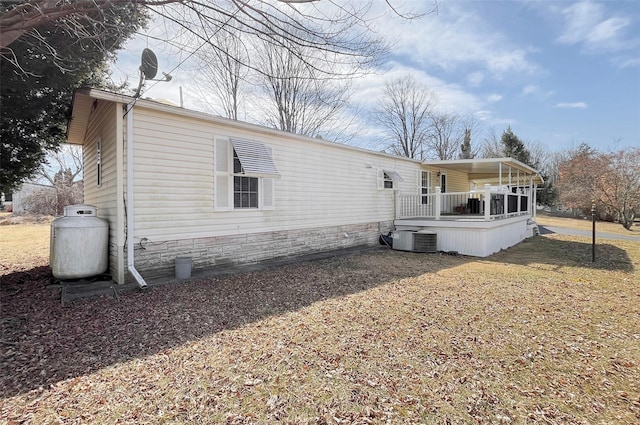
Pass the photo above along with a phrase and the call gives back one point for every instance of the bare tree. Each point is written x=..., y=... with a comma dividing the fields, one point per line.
x=221, y=73
x=539, y=154
x=19, y=18
x=404, y=113
x=301, y=99
x=62, y=172
x=446, y=135
x=492, y=146
x=340, y=29
x=611, y=179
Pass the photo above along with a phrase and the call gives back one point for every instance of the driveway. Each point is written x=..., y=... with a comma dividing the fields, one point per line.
x=547, y=230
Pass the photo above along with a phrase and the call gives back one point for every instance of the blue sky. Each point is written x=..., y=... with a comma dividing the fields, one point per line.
x=558, y=72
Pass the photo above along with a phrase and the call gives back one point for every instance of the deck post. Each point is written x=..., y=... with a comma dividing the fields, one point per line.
x=505, y=204
x=487, y=202
x=534, y=201
x=438, y=202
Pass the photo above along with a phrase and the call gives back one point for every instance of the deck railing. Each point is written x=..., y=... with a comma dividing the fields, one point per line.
x=485, y=204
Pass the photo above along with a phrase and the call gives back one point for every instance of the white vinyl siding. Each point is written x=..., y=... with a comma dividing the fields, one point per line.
x=178, y=180
x=457, y=181
x=102, y=130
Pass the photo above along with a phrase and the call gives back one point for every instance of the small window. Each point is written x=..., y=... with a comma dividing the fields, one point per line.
x=99, y=162
x=245, y=189
x=388, y=181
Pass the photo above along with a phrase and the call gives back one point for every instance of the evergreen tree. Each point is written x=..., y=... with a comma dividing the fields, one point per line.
x=465, y=148
x=514, y=148
x=38, y=82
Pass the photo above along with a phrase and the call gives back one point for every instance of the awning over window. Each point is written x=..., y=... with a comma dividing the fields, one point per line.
x=393, y=175
x=255, y=157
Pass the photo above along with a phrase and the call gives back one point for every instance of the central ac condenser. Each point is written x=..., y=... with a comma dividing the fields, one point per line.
x=415, y=241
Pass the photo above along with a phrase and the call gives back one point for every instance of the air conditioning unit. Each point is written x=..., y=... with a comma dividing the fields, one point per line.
x=425, y=241
x=420, y=241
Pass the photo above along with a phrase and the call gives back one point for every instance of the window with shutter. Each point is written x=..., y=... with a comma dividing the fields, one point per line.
x=389, y=179
x=244, y=174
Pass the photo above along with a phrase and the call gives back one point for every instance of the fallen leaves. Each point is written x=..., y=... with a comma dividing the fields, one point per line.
x=386, y=337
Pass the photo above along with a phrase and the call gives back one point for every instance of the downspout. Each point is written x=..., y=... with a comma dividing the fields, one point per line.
x=130, y=221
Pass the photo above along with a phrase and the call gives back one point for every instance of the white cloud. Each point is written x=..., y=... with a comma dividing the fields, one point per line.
x=626, y=62
x=590, y=24
x=537, y=92
x=450, y=97
x=571, y=105
x=456, y=37
x=494, y=97
x=475, y=79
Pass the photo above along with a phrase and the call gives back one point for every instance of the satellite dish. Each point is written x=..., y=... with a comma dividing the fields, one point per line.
x=149, y=69
x=149, y=64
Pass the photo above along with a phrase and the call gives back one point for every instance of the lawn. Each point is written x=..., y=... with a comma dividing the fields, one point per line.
x=585, y=224
x=533, y=334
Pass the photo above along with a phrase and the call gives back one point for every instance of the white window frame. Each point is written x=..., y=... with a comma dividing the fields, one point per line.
x=224, y=177
x=241, y=175
x=388, y=176
x=387, y=180
x=425, y=199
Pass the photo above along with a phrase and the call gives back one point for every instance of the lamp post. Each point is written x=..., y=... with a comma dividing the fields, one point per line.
x=593, y=231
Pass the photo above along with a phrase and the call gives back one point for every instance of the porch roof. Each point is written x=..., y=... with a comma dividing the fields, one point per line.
x=488, y=169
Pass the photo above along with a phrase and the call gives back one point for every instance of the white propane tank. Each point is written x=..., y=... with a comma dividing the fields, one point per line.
x=79, y=243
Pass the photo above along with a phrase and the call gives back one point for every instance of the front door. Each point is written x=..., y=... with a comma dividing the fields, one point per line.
x=444, y=206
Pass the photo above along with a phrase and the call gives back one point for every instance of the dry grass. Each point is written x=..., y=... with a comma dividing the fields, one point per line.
x=582, y=224
x=23, y=246
x=534, y=334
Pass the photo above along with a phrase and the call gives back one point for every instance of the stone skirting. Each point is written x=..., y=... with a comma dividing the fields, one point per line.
x=157, y=258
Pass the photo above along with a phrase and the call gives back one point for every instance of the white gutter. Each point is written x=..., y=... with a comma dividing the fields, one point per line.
x=130, y=226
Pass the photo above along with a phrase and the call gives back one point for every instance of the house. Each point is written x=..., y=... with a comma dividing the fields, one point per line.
x=174, y=182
